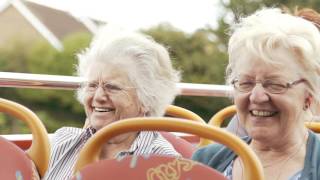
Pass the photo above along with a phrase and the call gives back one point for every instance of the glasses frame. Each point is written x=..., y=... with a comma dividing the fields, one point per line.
x=263, y=84
x=106, y=87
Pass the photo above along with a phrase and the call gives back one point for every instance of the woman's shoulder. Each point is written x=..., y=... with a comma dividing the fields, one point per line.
x=216, y=155
x=313, y=144
x=311, y=168
x=66, y=134
x=206, y=153
x=68, y=131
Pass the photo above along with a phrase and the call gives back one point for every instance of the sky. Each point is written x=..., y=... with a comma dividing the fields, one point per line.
x=186, y=15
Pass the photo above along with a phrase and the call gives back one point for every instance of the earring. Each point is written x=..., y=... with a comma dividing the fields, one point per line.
x=307, y=103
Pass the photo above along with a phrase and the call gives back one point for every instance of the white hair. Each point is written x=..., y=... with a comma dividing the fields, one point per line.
x=268, y=29
x=147, y=64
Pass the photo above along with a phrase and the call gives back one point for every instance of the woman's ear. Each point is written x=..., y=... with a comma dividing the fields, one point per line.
x=143, y=111
x=308, y=100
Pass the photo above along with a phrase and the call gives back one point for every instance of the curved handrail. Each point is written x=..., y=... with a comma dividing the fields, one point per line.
x=39, y=151
x=314, y=126
x=92, y=149
x=221, y=115
x=180, y=112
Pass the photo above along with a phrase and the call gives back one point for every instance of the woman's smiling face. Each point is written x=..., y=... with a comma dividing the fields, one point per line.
x=109, y=96
x=264, y=114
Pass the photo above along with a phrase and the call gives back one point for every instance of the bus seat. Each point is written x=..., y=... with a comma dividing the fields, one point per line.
x=88, y=160
x=182, y=146
x=14, y=162
x=39, y=152
x=148, y=168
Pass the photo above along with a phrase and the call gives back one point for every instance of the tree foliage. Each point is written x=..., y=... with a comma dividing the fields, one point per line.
x=200, y=59
x=55, y=107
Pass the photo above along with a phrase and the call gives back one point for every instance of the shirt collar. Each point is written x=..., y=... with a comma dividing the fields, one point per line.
x=88, y=133
x=141, y=145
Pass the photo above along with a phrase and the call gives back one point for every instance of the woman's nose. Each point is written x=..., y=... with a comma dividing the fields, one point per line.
x=100, y=95
x=258, y=94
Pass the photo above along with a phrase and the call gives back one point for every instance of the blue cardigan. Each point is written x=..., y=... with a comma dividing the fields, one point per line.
x=219, y=157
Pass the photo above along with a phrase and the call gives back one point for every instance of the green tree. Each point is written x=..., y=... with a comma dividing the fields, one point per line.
x=235, y=9
x=200, y=59
x=244, y=7
x=55, y=108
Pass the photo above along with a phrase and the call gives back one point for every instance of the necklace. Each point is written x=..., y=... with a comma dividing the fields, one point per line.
x=283, y=161
x=287, y=158
x=293, y=154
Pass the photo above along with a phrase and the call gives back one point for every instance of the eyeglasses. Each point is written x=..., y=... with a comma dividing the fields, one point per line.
x=270, y=86
x=107, y=87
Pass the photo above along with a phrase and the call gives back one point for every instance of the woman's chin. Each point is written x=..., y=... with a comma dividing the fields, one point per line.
x=99, y=124
x=259, y=133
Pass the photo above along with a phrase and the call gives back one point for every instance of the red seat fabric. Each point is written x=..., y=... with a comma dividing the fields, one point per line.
x=182, y=146
x=148, y=168
x=14, y=162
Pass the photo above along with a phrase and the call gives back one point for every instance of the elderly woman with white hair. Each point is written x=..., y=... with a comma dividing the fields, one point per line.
x=128, y=75
x=274, y=66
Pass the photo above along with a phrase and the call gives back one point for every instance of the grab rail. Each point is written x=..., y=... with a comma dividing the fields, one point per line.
x=40, y=81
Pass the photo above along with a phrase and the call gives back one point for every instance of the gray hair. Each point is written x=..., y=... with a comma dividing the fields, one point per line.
x=147, y=64
x=268, y=29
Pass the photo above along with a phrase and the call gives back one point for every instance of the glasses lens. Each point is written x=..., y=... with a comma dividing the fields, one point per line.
x=271, y=86
x=112, y=88
x=91, y=86
x=244, y=85
x=275, y=87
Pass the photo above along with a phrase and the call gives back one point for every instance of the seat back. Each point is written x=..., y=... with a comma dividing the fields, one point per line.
x=148, y=168
x=182, y=146
x=14, y=162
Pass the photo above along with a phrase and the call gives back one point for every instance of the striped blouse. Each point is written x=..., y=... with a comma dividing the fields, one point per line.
x=68, y=141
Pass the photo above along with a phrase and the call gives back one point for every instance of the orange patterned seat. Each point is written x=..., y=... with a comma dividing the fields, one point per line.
x=14, y=162
x=148, y=168
x=182, y=146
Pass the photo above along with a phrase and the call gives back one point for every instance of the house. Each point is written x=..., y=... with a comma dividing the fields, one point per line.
x=28, y=21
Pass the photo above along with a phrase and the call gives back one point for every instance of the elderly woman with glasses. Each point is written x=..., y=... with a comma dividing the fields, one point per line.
x=314, y=17
x=274, y=66
x=127, y=75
